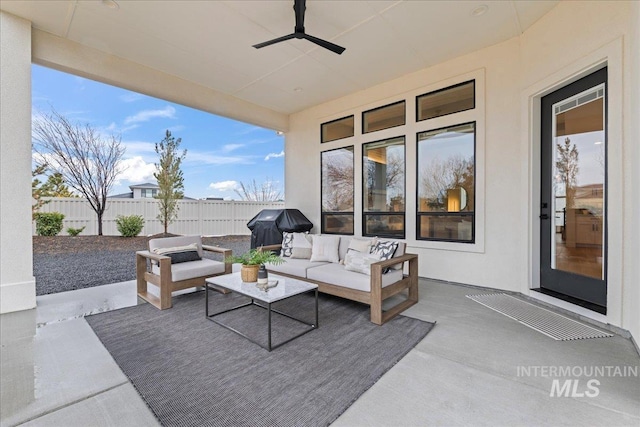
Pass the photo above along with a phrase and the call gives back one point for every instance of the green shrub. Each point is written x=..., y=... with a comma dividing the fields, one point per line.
x=130, y=226
x=75, y=231
x=48, y=223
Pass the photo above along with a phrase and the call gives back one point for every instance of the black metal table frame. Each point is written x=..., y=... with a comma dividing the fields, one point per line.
x=269, y=309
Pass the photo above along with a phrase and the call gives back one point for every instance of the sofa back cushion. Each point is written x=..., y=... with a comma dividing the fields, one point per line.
x=171, y=242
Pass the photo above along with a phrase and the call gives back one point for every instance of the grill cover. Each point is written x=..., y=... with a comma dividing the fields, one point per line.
x=267, y=227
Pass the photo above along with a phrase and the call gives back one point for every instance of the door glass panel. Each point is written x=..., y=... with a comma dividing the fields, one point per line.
x=579, y=142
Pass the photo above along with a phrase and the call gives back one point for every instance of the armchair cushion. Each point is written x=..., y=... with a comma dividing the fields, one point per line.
x=189, y=270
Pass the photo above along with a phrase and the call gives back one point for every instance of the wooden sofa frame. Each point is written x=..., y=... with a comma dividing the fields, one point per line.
x=163, y=280
x=378, y=294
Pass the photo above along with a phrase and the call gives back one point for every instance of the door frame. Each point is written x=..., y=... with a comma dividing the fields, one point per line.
x=565, y=283
x=611, y=56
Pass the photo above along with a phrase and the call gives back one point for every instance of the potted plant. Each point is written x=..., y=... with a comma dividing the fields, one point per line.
x=251, y=262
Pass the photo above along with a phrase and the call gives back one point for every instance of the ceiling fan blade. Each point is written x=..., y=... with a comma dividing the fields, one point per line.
x=325, y=44
x=299, y=7
x=274, y=41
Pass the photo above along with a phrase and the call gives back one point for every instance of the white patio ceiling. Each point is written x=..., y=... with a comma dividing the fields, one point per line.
x=210, y=42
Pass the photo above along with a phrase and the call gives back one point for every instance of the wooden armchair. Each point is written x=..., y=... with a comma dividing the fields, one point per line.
x=177, y=276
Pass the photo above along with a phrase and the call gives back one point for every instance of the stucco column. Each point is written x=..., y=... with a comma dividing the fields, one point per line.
x=631, y=285
x=17, y=284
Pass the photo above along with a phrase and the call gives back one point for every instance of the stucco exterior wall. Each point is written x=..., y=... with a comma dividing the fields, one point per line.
x=573, y=38
x=17, y=284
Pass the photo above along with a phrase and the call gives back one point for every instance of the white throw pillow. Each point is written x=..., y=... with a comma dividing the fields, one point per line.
x=360, y=262
x=325, y=248
x=301, y=246
x=362, y=245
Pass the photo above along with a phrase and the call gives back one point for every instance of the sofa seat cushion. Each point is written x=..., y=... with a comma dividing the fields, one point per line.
x=189, y=270
x=294, y=266
x=335, y=274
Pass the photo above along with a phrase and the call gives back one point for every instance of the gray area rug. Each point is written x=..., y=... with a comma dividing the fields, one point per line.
x=193, y=372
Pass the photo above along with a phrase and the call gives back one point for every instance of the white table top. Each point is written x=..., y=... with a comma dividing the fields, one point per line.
x=286, y=288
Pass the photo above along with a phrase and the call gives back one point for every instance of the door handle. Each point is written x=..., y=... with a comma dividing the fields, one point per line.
x=544, y=216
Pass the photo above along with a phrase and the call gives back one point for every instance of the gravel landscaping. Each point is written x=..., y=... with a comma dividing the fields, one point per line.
x=64, y=263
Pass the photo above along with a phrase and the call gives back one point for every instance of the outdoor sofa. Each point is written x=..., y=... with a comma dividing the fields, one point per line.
x=386, y=279
x=176, y=263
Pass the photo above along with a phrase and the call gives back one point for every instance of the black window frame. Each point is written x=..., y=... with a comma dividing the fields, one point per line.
x=404, y=122
x=384, y=213
x=420, y=214
x=322, y=125
x=443, y=90
x=353, y=197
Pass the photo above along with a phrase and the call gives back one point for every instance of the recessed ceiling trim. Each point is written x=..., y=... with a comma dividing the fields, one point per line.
x=69, y=18
x=516, y=17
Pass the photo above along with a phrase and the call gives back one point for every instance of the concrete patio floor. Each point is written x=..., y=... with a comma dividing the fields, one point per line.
x=469, y=370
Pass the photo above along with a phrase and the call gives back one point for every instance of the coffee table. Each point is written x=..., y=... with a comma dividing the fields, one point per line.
x=286, y=288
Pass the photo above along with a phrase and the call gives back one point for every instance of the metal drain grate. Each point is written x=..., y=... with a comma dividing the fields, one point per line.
x=551, y=324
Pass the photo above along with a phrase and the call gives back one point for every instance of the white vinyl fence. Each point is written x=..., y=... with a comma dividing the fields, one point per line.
x=203, y=217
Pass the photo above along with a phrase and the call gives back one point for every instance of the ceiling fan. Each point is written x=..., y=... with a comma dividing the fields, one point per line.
x=298, y=32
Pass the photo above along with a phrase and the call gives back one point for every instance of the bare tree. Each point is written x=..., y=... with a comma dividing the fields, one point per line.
x=567, y=165
x=337, y=181
x=386, y=177
x=438, y=176
x=254, y=192
x=86, y=162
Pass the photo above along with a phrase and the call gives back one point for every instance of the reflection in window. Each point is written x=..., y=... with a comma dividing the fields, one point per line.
x=337, y=190
x=383, y=169
x=446, y=101
x=337, y=129
x=446, y=184
x=383, y=117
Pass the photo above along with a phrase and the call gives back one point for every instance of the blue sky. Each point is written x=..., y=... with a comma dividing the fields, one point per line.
x=221, y=152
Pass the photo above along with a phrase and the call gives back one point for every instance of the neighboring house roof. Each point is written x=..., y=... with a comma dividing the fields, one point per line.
x=145, y=185
x=122, y=196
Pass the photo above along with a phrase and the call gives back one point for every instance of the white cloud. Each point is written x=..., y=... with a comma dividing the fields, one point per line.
x=274, y=155
x=139, y=148
x=136, y=170
x=247, y=129
x=131, y=97
x=213, y=159
x=230, y=147
x=174, y=128
x=168, y=112
x=224, y=185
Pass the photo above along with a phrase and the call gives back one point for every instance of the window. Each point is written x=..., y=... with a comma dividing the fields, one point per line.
x=383, y=183
x=149, y=193
x=337, y=190
x=337, y=129
x=383, y=117
x=445, y=101
x=446, y=184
